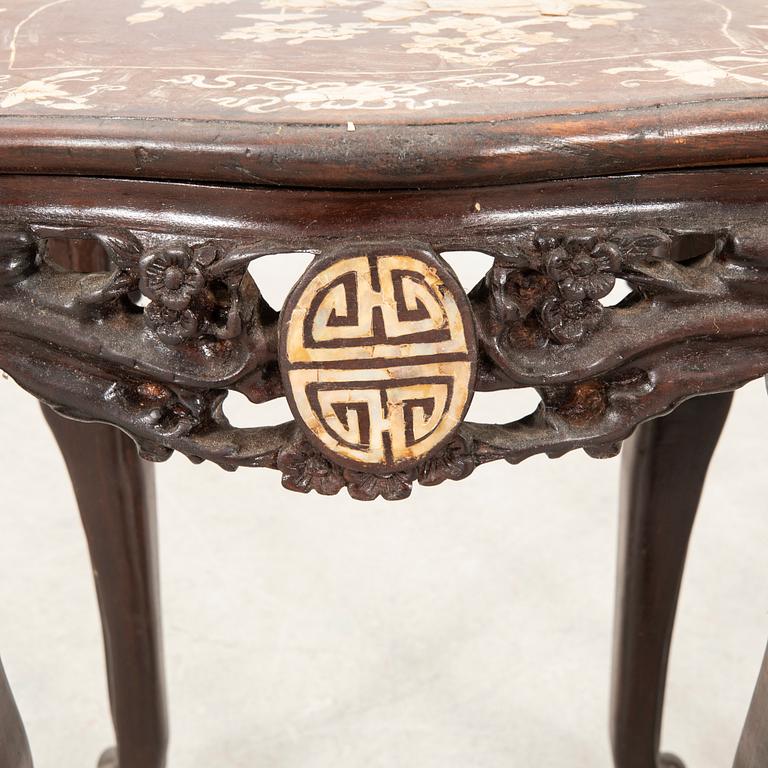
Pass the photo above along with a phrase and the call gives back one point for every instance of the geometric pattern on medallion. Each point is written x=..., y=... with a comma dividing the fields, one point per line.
x=378, y=354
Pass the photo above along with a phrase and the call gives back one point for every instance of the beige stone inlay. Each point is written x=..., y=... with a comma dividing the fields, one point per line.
x=378, y=359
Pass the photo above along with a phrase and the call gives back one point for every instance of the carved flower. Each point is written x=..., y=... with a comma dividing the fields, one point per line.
x=568, y=321
x=305, y=470
x=365, y=486
x=454, y=462
x=583, y=268
x=171, y=325
x=515, y=293
x=171, y=277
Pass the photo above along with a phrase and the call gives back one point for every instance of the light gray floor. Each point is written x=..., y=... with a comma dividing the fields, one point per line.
x=469, y=627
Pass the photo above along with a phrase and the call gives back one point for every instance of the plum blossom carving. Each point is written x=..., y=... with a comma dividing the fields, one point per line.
x=569, y=321
x=548, y=286
x=453, y=462
x=173, y=326
x=582, y=267
x=194, y=289
x=365, y=486
x=171, y=277
x=305, y=470
x=550, y=278
x=515, y=292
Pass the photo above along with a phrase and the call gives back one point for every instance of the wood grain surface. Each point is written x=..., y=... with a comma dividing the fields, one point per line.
x=364, y=93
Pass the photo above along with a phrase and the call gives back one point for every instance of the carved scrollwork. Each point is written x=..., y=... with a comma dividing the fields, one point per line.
x=696, y=321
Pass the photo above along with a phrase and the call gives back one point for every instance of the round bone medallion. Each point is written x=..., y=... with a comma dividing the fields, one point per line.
x=378, y=356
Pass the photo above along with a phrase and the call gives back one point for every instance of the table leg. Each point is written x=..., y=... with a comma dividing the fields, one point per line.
x=663, y=470
x=14, y=747
x=115, y=493
x=753, y=745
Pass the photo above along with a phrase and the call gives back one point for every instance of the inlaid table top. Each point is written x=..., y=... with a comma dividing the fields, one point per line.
x=238, y=73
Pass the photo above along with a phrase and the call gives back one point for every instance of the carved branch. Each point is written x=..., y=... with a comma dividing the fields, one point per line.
x=697, y=322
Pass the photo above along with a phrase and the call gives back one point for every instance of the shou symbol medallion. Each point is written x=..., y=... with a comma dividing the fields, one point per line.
x=378, y=355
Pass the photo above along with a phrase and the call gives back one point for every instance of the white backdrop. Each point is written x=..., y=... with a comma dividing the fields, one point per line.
x=468, y=626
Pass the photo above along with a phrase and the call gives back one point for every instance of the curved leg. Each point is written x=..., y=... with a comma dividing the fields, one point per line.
x=663, y=470
x=115, y=492
x=753, y=745
x=14, y=748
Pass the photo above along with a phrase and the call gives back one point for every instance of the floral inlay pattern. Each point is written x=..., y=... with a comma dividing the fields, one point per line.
x=226, y=59
x=479, y=33
x=65, y=90
x=751, y=70
x=257, y=94
x=153, y=10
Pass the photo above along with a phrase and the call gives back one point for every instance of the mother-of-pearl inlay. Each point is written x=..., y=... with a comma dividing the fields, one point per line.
x=378, y=350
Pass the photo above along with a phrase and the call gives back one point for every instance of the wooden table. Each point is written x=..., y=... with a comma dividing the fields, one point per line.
x=152, y=150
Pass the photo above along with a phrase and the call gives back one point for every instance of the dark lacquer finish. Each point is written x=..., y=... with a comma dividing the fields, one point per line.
x=14, y=748
x=664, y=465
x=379, y=93
x=691, y=246
x=115, y=493
x=391, y=156
x=693, y=324
x=753, y=745
x=383, y=130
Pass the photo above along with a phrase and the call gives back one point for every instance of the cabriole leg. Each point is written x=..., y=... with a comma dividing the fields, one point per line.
x=14, y=748
x=663, y=470
x=116, y=495
x=753, y=746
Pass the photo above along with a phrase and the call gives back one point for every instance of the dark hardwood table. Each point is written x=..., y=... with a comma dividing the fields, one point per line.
x=151, y=151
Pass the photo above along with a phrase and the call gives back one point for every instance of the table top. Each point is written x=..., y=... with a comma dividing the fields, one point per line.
x=418, y=68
